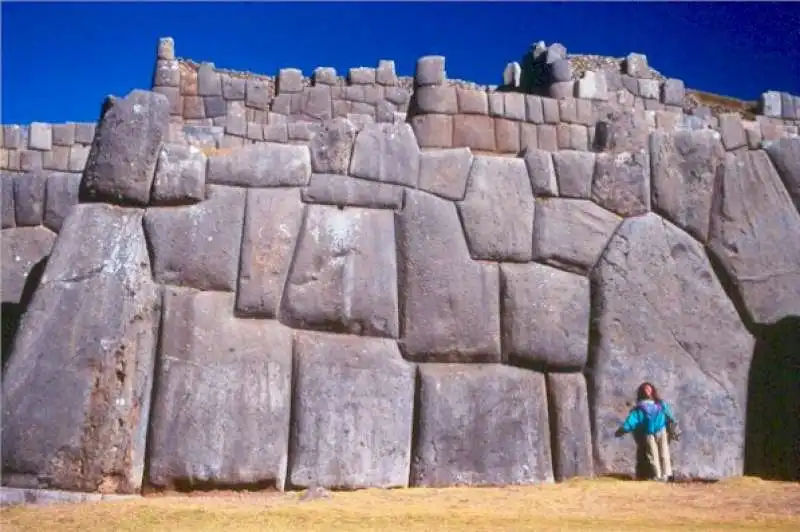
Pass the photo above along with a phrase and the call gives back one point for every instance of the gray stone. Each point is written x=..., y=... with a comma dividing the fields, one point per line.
x=787, y=108
x=233, y=88
x=340, y=436
x=299, y=131
x=166, y=48
x=255, y=131
x=562, y=90
x=592, y=86
x=436, y=99
x=472, y=102
x=507, y=136
x=122, y=160
x=481, y=425
x=180, y=175
x=445, y=172
x=29, y=198
x=208, y=81
x=771, y=104
x=198, y=246
x=429, y=71
x=648, y=89
x=497, y=209
x=497, y=103
x=626, y=130
x=9, y=215
x=570, y=426
x=385, y=74
x=568, y=111
x=325, y=76
x=78, y=156
x=732, y=131
x=214, y=107
x=31, y=161
x=685, y=164
x=571, y=234
x=514, y=105
x=621, y=182
x=63, y=134
x=343, y=277
x=555, y=52
x=574, y=170
x=277, y=133
x=61, y=196
x=84, y=133
x=541, y=172
x=474, y=131
x=397, y=95
x=533, y=109
x=167, y=73
x=40, y=136
x=12, y=138
x=561, y=70
x=550, y=111
x=661, y=315
x=257, y=93
x=512, y=74
x=387, y=153
x=21, y=496
x=273, y=218
x=261, y=165
x=547, y=138
x=345, y=191
x=219, y=376
x=673, y=92
x=22, y=249
x=450, y=304
x=290, y=80
x=636, y=66
x=312, y=104
x=754, y=233
x=76, y=417
x=545, y=317
x=173, y=96
x=785, y=155
x=236, y=119
x=361, y=76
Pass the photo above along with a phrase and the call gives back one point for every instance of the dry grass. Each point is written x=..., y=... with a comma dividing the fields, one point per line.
x=724, y=104
x=741, y=504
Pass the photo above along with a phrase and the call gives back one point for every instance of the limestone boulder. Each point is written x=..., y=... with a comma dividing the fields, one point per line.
x=222, y=402
x=75, y=417
x=22, y=249
x=387, y=153
x=481, y=425
x=785, y=155
x=344, y=274
x=754, y=232
x=261, y=165
x=661, y=315
x=568, y=401
x=450, y=304
x=352, y=413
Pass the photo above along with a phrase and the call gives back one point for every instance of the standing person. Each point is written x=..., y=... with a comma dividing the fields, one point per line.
x=653, y=425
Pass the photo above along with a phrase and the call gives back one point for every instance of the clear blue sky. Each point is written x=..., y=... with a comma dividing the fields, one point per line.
x=60, y=59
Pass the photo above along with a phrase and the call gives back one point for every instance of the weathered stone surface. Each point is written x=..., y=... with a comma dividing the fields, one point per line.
x=122, y=160
x=785, y=155
x=29, y=198
x=429, y=71
x=497, y=103
x=62, y=195
x=507, y=136
x=547, y=138
x=497, y=209
x=545, y=317
x=662, y=316
x=514, y=105
x=472, y=102
x=21, y=496
x=31, y=161
x=474, y=131
x=569, y=422
x=334, y=189
x=771, y=104
x=433, y=131
x=261, y=165
x=290, y=80
x=636, y=66
x=208, y=81
x=56, y=159
x=673, y=92
x=7, y=196
x=22, y=249
x=450, y=307
x=167, y=74
x=339, y=437
x=754, y=233
x=198, y=246
x=574, y=170
x=63, y=134
x=625, y=130
x=40, y=136
x=560, y=70
x=684, y=165
x=621, y=182
x=436, y=99
x=332, y=146
x=180, y=175
x=787, y=106
x=570, y=233
x=445, y=172
x=218, y=377
x=541, y=172
x=387, y=153
x=344, y=276
x=592, y=86
x=76, y=417
x=385, y=73
x=732, y=131
x=481, y=425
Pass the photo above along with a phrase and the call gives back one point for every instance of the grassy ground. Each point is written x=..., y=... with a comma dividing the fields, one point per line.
x=741, y=504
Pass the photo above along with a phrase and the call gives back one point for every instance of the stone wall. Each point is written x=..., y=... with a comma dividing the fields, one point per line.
x=41, y=146
x=356, y=311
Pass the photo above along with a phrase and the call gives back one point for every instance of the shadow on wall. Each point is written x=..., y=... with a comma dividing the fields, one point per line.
x=12, y=312
x=772, y=445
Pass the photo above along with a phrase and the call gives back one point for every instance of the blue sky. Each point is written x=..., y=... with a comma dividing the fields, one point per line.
x=60, y=59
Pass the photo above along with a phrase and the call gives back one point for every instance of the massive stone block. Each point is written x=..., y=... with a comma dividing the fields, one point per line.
x=571, y=233
x=180, y=175
x=273, y=218
x=785, y=155
x=198, y=246
x=574, y=171
x=545, y=316
x=222, y=399
x=334, y=189
x=122, y=160
x=344, y=274
x=261, y=165
x=76, y=391
x=29, y=198
x=621, y=182
x=450, y=304
x=22, y=248
x=387, y=153
x=497, y=210
x=61, y=196
x=684, y=165
x=568, y=402
x=352, y=413
x=445, y=172
x=661, y=315
x=332, y=146
x=7, y=198
x=755, y=233
x=481, y=425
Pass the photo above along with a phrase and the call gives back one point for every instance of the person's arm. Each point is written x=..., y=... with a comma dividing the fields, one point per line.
x=631, y=422
x=668, y=412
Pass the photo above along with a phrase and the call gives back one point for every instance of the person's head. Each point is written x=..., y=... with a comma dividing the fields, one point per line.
x=647, y=391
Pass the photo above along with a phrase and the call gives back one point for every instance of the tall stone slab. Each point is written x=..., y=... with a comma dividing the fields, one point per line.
x=76, y=391
x=661, y=315
x=222, y=402
x=570, y=426
x=785, y=155
x=352, y=415
x=755, y=233
x=481, y=425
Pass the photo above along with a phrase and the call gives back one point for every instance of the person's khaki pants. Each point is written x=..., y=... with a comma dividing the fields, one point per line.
x=657, y=452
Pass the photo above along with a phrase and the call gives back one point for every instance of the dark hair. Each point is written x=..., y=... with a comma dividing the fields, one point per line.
x=640, y=395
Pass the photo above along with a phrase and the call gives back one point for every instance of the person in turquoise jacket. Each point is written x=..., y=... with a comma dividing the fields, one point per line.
x=653, y=425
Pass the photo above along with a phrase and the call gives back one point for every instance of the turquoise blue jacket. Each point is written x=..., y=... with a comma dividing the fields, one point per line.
x=648, y=417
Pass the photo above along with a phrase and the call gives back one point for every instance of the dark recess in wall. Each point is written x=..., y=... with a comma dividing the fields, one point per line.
x=11, y=313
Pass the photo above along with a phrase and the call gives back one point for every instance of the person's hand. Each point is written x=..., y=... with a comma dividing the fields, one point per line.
x=619, y=433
